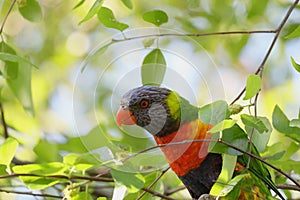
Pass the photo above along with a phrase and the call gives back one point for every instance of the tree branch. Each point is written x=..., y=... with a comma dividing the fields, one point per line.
x=154, y=193
x=195, y=34
x=6, y=16
x=153, y=183
x=222, y=142
x=74, y=177
x=288, y=187
x=32, y=194
x=172, y=191
x=277, y=33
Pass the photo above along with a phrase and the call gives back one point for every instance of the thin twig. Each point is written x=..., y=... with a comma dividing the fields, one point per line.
x=288, y=187
x=172, y=191
x=194, y=34
x=96, y=178
x=6, y=135
x=277, y=33
x=278, y=30
x=154, y=193
x=102, y=179
x=31, y=194
x=6, y=16
x=140, y=152
x=153, y=183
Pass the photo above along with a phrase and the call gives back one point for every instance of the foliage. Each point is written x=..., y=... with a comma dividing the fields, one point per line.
x=62, y=64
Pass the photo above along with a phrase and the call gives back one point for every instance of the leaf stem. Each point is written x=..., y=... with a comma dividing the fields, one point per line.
x=6, y=16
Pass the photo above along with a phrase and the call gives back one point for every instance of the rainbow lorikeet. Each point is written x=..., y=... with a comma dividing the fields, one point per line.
x=170, y=118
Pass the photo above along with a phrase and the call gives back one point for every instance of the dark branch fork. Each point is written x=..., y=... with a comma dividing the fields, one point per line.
x=277, y=33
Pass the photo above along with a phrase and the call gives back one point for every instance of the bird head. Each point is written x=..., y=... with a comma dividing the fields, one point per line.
x=156, y=109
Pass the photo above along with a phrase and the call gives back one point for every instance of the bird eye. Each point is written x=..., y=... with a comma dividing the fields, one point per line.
x=144, y=103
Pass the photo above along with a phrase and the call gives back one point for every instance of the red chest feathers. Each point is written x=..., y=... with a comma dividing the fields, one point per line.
x=184, y=157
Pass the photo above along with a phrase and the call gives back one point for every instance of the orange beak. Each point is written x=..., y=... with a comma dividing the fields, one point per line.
x=125, y=117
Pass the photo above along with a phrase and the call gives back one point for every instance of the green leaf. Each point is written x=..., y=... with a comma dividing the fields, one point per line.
x=193, y=4
x=76, y=160
x=14, y=58
x=42, y=182
x=295, y=65
x=82, y=196
x=31, y=10
x=276, y=156
x=295, y=123
x=146, y=162
x=252, y=86
x=294, y=34
x=228, y=166
x=78, y=4
x=95, y=141
x=21, y=87
x=8, y=150
x=1, y=4
x=254, y=122
x=70, y=159
x=107, y=18
x=225, y=124
x=3, y=169
x=231, y=184
x=214, y=113
x=282, y=124
x=93, y=11
x=127, y=3
x=235, y=136
x=235, y=108
x=147, y=42
x=157, y=187
x=52, y=168
x=156, y=17
x=153, y=68
x=46, y=151
x=96, y=54
x=133, y=181
x=260, y=140
x=10, y=68
x=290, y=151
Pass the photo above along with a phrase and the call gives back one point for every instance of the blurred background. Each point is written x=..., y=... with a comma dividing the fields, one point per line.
x=76, y=88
